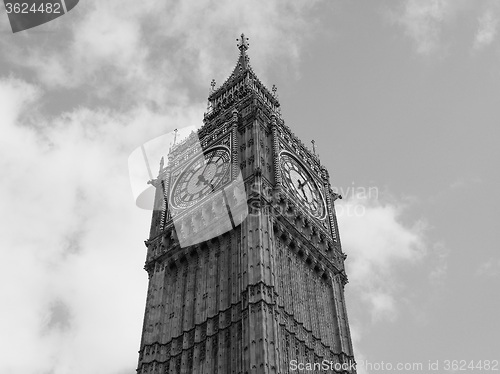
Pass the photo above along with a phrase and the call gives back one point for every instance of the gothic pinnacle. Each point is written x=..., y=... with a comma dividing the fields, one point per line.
x=242, y=43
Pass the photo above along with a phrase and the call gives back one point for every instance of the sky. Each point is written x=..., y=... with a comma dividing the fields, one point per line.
x=401, y=98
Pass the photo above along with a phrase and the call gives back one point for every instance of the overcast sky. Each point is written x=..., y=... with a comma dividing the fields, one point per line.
x=401, y=97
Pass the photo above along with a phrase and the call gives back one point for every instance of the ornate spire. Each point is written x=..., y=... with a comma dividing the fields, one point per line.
x=175, y=135
x=242, y=65
x=242, y=43
x=243, y=62
x=246, y=80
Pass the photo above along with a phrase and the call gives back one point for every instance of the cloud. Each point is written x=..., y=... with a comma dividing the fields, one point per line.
x=422, y=22
x=67, y=227
x=388, y=255
x=465, y=182
x=378, y=245
x=92, y=90
x=157, y=51
x=489, y=268
x=428, y=23
x=487, y=29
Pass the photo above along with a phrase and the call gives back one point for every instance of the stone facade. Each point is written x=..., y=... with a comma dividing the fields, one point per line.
x=269, y=291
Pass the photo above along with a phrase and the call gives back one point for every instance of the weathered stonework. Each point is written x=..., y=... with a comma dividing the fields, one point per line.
x=267, y=292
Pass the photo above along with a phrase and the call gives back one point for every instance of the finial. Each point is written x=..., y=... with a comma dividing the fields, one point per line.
x=212, y=85
x=162, y=162
x=242, y=43
x=175, y=136
x=314, y=146
x=274, y=89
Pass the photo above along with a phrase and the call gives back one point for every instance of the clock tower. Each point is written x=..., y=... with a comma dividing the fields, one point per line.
x=246, y=279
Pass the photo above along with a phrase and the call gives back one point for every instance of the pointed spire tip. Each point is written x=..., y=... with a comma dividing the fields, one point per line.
x=242, y=43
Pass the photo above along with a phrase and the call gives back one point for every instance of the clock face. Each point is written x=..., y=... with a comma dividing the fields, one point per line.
x=298, y=180
x=201, y=177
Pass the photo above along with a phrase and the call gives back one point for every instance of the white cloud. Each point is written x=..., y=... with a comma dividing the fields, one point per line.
x=489, y=268
x=156, y=51
x=429, y=23
x=68, y=220
x=465, y=182
x=487, y=29
x=378, y=244
x=70, y=269
x=422, y=21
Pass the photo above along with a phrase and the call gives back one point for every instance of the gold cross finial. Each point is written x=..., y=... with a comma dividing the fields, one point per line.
x=212, y=84
x=242, y=43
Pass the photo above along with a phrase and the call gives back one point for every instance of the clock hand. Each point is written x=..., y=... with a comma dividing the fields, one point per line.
x=305, y=196
x=202, y=179
x=210, y=161
x=203, y=172
x=301, y=187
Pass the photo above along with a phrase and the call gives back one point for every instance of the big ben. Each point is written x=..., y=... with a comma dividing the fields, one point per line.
x=245, y=265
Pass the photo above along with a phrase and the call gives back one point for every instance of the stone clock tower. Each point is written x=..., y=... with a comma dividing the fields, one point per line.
x=265, y=288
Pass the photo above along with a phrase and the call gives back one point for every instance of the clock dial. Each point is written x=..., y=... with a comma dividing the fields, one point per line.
x=298, y=180
x=201, y=177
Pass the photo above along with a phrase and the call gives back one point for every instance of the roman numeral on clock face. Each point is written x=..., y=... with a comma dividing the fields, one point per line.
x=298, y=180
x=201, y=177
